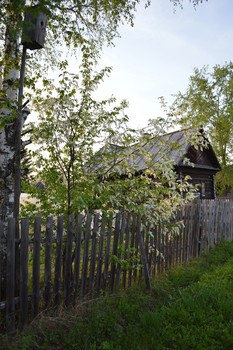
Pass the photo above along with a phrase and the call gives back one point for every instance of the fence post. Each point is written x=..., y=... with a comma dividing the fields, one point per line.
x=48, y=261
x=36, y=267
x=68, y=260
x=10, y=278
x=24, y=273
x=114, y=250
x=93, y=254
x=58, y=261
x=100, y=255
x=143, y=252
x=85, y=255
x=1, y=259
x=77, y=255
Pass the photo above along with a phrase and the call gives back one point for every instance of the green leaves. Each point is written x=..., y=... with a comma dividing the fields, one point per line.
x=70, y=125
x=87, y=158
x=208, y=102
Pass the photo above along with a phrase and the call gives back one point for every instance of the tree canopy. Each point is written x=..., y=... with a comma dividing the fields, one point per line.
x=80, y=28
x=75, y=174
x=208, y=101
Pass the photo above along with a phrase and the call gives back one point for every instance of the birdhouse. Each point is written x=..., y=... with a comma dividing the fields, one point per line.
x=34, y=29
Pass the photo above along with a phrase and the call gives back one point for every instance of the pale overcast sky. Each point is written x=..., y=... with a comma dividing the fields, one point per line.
x=157, y=56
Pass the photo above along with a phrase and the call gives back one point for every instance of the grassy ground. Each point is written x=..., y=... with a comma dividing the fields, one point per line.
x=190, y=308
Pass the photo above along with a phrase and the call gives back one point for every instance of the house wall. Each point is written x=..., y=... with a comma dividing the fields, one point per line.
x=204, y=179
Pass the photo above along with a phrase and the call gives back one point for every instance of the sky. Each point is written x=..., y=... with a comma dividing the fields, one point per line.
x=157, y=56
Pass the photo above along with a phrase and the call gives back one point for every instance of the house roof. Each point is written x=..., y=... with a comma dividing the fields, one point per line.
x=176, y=146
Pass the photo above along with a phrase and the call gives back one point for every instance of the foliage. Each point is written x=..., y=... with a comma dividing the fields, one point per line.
x=224, y=180
x=72, y=121
x=208, y=102
x=79, y=175
x=131, y=262
x=191, y=307
x=70, y=23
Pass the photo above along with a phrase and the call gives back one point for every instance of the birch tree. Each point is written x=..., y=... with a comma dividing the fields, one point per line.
x=70, y=23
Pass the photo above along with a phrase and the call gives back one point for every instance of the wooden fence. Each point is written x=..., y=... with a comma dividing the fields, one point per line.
x=55, y=264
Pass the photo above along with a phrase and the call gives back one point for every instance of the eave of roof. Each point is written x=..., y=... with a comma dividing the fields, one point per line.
x=199, y=166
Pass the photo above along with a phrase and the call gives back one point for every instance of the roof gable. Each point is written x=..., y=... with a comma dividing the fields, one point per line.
x=205, y=157
x=177, y=147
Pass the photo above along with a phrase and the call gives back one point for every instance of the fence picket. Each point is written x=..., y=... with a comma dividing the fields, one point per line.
x=133, y=230
x=36, y=267
x=143, y=253
x=48, y=262
x=101, y=257
x=126, y=247
x=93, y=253
x=107, y=253
x=115, y=251
x=24, y=273
x=77, y=255
x=120, y=246
x=1, y=260
x=68, y=260
x=58, y=261
x=86, y=255
x=10, y=277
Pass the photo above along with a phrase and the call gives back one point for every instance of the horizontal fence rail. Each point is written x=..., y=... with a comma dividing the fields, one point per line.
x=58, y=262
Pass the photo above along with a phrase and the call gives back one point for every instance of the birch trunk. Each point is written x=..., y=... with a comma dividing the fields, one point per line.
x=8, y=114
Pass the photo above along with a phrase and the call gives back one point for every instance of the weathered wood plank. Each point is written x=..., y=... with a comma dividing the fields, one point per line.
x=150, y=249
x=127, y=254
x=100, y=255
x=58, y=261
x=86, y=255
x=24, y=273
x=36, y=267
x=154, y=232
x=143, y=254
x=120, y=249
x=163, y=234
x=77, y=256
x=166, y=251
x=2, y=250
x=107, y=252
x=135, y=251
x=48, y=262
x=93, y=253
x=115, y=251
x=133, y=230
x=10, y=277
x=68, y=260
x=159, y=259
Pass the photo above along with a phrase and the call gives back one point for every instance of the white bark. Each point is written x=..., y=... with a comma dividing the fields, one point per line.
x=7, y=131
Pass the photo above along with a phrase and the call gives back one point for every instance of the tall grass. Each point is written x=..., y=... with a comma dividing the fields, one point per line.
x=189, y=308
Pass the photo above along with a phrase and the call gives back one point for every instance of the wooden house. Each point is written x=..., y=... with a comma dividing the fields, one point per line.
x=200, y=163
x=203, y=166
